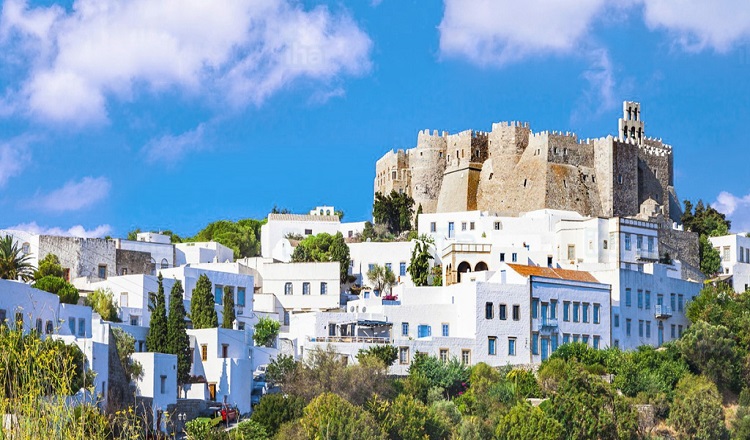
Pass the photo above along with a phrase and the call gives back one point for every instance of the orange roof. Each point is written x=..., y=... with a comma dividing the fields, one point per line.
x=549, y=272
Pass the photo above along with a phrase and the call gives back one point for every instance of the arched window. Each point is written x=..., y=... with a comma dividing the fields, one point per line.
x=480, y=266
x=164, y=263
x=153, y=267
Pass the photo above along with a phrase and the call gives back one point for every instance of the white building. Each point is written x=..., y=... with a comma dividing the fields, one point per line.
x=224, y=358
x=131, y=295
x=158, y=382
x=202, y=252
x=158, y=245
x=517, y=316
x=394, y=255
x=275, y=234
x=734, y=251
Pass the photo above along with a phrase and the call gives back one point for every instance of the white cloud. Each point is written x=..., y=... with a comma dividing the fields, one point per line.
x=497, y=32
x=14, y=156
x=75, y=195
x=600, y=95
x=170, y=148
x=241, y=51
x=699, y=24
x=737, y=209
x=75, y=231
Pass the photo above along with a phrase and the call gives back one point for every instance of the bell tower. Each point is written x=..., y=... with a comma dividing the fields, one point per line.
x=631, y=127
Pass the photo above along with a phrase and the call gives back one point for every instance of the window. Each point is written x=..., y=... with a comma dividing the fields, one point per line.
x=287, y=317
x=650, y=244
x=204, y=352
x=514, y=257
x=534, y=308
x=503, y=312
x=673, y=301
x=134, y=320
x=673, y=331
x=640, y=298
x=566, y=310
x=576, y=338
x=446, y=330
x=218, y=293
x=404, y=329
x=491, y=345
x=554, y=342
x=48, y=328
x=597, y=310
x=680, y=303
x=604, y=245
x=516, y=312
x=489, y=311
x=616, y=320
x=402, y=268
x=627, y=242
x=596, y=342
x=305, y=288
x=81, y=327
x=679, y=331
x=553, y=309
x=576, y=312
x=585, y=339
x=511, y=346
x=389, y=267
x=463, y=226
x=308, y=231
x=466, y=357
x=403, y=355
x=617, y=343
x=451, y=227
x=627, y=326
x=640, y=328
x=26, y=248
x=443, y=355
x=102, y=272
x=124, y=299
x=424, y=331
x=39, y=326
x=240, y=296
x=433, y=227
x=585, y=312
x=725, y=255
x=571, y=252
x=648, y=300
x=323, y=288
x=639, y=242
x=535, y=343
x=72, y=325
x=566, y=338
x=648, y=329
x=498, y=226
x=66, y=274
x=224, y=351
x=163, y=383
x=288, y=289
x=164, y=263
x=471, y=226
x=124, y=271
x=502, y=256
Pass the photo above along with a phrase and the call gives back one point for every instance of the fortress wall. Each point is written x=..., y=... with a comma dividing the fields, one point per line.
x=564, y=148
x=385, y=180
x=655, y=168
x=427, y=163
x=625, y=184
x=571, y=188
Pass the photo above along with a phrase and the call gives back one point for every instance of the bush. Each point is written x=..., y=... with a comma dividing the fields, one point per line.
x=527, y=422
x=276, y=409
x=385, y=353
x=330, y=416
x=266, y=331
x=249, y=430
x=198, y=429
x=696, y=411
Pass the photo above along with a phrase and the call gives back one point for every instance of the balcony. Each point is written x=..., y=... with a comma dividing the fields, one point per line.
x=351, y=339
x=468, y=248
x=645, y=254
x=549, y=324
x=662, y=312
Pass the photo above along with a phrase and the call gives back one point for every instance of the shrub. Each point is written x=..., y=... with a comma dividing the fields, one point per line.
x=696, y=411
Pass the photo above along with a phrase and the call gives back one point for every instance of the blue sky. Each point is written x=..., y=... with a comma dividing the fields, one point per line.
x=116, y=114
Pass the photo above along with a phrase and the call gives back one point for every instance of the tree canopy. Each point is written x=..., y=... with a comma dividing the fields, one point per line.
x=202, y=310
x=102, y=301
x=394, y=210
x=705, y=220
x=419, y=266
x=381, y=277
x=228, y=315
x=14, y=264
x=67, y=292
x=178, y=342
x=156, y=339
x=242, y=236
x=324, y=247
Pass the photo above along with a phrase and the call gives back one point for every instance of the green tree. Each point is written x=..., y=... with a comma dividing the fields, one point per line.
x=49, y=266
x=382, y=278
x=281, y=369
x=447, y=375
x=395, y=211
x=67, y=292
x=407, y=418
x=228, y=316
x=387, y=354
x=249, y=430
x=712, y=351
x=419, y=266
x=125, y=344
x=178, y=342
x=202, y=310
x=329, y=416
x=705, y=220
x=156, y=339
x=276, y=409
x=696, y=411
x=416, y=217
x=525, y=422
x=710, y=260
x=324, y=247
x=102, y=302
x=266, y=331
x=14, y=264
x=242, y=236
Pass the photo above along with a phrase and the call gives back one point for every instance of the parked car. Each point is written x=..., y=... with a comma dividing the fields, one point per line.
x=260, y=369
x=228, y=413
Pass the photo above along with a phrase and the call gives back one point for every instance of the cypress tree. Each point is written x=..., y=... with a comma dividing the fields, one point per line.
x=156, y=340
x=228, y=316
x=177, y=337
x=202, y=311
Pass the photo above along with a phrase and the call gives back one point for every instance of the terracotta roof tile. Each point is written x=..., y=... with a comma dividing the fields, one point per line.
x=549, y=272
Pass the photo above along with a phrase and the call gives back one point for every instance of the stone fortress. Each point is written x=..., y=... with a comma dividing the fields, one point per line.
x=511, y=170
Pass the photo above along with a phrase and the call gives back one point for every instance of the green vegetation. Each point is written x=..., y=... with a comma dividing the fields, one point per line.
x=266, y=331
x=156, y=339
x=419, y=266
x=324, y=247
x=67, y=292
x=14, y=264
x=125, y=345
x=173, y=238
x=227, y=315
x=382, y=278
x=242, y=236
x=394, y=211
x=706, y=222
x=49, y=266
x=102, y=301
x=202, y=311
x=386, y=354
x=178, y=342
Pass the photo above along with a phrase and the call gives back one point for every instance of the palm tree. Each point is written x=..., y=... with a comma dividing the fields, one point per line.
x=13, y=263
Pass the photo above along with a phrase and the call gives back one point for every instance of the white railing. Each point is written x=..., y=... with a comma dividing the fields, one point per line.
x=351, y=339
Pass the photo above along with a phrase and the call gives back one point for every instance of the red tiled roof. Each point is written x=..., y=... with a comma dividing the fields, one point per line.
x=549, y=272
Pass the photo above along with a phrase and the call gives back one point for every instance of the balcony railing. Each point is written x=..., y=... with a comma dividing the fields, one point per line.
x=549, y=322
x=645, y=254
x=468, y=248
x=351, y=339
x=662, y=312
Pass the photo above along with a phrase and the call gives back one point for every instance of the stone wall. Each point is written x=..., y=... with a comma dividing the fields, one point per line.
x=82, y=256
x=133, y=262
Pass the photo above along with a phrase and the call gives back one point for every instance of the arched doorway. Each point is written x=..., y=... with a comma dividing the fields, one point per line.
x=480, y=266
x=463, y=267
